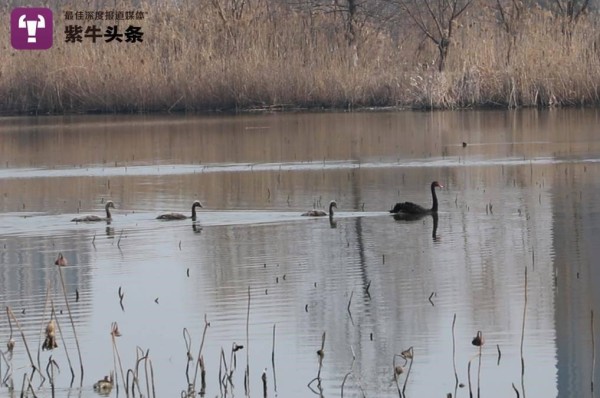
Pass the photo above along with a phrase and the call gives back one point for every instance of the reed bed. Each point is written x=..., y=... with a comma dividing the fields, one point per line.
x=272, y=55
x=139, y=378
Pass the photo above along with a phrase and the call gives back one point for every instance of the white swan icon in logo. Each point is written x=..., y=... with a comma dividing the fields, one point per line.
x=31, y=28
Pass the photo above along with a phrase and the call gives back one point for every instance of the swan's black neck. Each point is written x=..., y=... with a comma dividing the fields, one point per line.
x=194, y=211
x=107, y=207
x=434, y=208
x=331, y=209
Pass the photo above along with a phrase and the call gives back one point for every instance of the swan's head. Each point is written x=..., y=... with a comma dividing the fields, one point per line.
x=333, y=203
x=197, y=203
x=436, y=184
x=110, y=204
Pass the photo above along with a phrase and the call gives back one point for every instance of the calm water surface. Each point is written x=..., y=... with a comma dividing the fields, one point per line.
x=522, y=196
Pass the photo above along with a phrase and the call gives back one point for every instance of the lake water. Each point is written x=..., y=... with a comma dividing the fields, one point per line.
x=521, y=200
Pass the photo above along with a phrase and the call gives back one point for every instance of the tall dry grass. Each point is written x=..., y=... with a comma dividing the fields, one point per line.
x=209, y=55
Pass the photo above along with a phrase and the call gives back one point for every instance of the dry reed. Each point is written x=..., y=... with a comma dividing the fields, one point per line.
x=64, y=291
x=407, y=354
x=8, y=374
x=349, y=372
x=264, y=382
x=114, y=333
x=274, y=55
x=34, y=368
x=399, y=370
x=188, y=346
x=523, y=335
x=200, y=360
x=321, y=355
x=62, y=338
x=247, y=374
x=454, y=354
x=273, y=361
x=50, y=373
x=593, y=352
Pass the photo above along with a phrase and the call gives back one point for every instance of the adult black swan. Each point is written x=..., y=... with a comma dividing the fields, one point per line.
x=321, y=213
x=413, y=208
x=179, y=216
x=95, y=218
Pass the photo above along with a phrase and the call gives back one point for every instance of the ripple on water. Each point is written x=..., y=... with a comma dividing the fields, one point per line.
x=183, y=169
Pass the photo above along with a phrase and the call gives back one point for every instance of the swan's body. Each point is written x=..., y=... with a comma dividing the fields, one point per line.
x=94, y=218
x=179, y=216
x=413, y=208
x=321, y=213
x=61, y=260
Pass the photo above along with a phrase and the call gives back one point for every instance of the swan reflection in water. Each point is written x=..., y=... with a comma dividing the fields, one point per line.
x=416, y=217
x=332, y=222
x=196, y=227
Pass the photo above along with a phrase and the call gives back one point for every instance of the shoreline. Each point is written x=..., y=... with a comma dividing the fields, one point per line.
x=291, y=110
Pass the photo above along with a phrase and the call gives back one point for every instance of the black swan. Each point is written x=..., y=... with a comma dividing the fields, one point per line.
x=413, y=208
x=94, y=218
x=179, y=216
x=321, y=213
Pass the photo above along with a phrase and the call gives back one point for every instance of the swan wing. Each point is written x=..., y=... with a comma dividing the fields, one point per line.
x=408, y=207
x=171, y=216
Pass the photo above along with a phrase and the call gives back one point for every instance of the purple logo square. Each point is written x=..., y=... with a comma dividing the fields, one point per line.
x=31, y=28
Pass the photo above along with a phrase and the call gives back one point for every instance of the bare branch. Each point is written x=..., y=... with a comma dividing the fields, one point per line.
x=419, y=22
x=435, y=19
x=582, y=10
